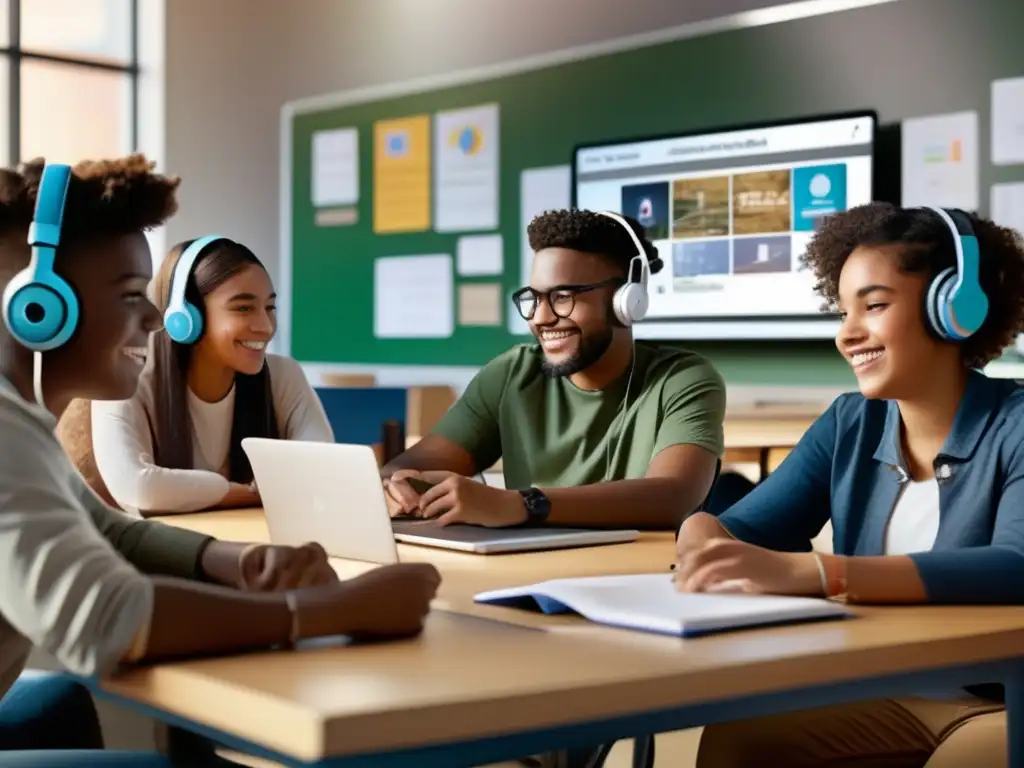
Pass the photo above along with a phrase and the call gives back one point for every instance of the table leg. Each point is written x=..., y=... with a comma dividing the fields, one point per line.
x=762, y=463
x=1015, y=716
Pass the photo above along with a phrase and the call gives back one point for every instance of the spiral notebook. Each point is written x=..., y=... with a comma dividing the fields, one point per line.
x=650, y=603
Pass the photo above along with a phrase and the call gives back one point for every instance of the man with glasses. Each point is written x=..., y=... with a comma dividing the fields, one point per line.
x=593, y=429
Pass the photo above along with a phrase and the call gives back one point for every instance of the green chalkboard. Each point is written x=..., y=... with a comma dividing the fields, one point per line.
x=902, y=59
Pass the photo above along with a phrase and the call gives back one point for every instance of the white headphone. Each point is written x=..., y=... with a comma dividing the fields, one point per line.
x=630, y=302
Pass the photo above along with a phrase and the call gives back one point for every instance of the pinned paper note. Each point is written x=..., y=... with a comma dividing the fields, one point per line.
x=940, y=161
x=335, y=171
x=1008, y=121
x=480, y=304
x=413, y=297
x=1007, y=205
x=401, y=183
x=480, y=255
x=540, y=189
x=336, y=217
x=466, y=180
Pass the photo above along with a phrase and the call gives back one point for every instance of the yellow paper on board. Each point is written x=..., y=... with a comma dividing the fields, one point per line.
x=401, y=175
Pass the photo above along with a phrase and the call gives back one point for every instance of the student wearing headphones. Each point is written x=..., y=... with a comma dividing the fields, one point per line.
x=593, y=429
x=92, y=586
x=921, y=475
x=176, y=445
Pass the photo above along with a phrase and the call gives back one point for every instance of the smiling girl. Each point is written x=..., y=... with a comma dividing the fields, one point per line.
x=209, y=383
x=921, y=474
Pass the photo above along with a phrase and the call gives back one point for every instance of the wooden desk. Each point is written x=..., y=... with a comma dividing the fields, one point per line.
x=464, y=575
x=481, y=686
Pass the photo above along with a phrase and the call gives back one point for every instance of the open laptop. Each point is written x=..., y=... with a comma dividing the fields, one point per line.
x=332, y=493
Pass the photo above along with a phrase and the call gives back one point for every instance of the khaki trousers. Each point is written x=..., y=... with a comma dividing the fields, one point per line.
x=887, y=733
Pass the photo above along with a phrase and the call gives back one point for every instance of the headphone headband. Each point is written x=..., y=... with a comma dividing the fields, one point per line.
x=44, y=231
x=645, y=268
x=183, y=268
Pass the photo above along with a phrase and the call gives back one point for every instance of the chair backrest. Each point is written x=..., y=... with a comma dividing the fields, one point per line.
x=357, y=413
x=425, y=407
x=74, y=432
x=349, y=379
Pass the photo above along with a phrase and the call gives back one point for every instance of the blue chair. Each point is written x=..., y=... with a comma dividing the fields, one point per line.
x=357, y=413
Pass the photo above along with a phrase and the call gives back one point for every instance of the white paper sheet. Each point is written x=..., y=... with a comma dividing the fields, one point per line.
x=480, y=255
x=1007, y=205
x=335, y=177
x=1008, y=121
x=940, y=161
x=413, y=297
x=466, y=152
x=540, y=189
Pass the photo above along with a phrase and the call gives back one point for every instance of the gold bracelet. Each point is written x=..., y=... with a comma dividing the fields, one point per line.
x=293, y=608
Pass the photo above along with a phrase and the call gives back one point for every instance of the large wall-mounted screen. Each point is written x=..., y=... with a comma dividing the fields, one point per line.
x=731, y=213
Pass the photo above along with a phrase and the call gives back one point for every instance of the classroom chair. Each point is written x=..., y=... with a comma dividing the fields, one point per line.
x=74, y=432
x=979, y=740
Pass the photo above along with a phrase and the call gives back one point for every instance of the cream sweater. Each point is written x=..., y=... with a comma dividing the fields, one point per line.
x=123, y=442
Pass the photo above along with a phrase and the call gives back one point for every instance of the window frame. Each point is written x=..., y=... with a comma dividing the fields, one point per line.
x=15, y=54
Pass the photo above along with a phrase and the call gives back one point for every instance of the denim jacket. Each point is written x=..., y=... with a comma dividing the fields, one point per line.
x=848, y=467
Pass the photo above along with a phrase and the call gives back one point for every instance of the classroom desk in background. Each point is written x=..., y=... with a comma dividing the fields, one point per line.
x=489, y=684
x=765, y=434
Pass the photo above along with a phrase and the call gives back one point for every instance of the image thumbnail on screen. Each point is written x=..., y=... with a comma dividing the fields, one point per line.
x=648, y=204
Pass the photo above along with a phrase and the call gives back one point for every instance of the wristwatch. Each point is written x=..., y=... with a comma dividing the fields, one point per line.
x=538, y=507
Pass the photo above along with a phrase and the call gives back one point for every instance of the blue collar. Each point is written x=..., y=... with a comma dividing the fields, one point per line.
x=972, y=419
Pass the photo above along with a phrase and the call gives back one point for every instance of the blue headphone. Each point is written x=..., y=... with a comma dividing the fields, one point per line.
x=40, y=308
x=182, y=319
x=956, y=304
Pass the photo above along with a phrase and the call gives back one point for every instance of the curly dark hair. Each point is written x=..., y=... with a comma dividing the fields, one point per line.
x=105, y=197
x=591, y=232
x=925, y=246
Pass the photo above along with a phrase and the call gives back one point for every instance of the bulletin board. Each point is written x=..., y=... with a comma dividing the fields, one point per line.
x=376, y=177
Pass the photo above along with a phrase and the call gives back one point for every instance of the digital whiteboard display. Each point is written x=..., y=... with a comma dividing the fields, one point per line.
x=731, y=213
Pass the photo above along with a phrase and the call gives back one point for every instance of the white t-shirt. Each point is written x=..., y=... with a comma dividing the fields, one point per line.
x=63, y=587
x=914, y=522
x=122, y=441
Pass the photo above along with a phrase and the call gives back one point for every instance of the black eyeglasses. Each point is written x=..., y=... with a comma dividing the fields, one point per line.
x=561, y=299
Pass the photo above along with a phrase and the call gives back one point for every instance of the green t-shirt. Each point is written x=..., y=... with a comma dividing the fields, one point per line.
x=549, y=433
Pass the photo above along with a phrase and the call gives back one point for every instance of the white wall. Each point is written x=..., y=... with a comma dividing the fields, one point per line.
x=231, y=64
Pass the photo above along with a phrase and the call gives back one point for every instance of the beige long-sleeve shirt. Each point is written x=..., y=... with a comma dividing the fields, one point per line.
x=122, y=441
x=71, y=568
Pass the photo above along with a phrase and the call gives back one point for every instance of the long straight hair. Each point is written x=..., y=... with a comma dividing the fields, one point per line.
x=254, y=402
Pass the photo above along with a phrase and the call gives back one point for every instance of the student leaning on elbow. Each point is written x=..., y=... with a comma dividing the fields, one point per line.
x=91, y=585
x=921, y=474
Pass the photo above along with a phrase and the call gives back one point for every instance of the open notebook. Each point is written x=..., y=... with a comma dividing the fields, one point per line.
x=650, y=603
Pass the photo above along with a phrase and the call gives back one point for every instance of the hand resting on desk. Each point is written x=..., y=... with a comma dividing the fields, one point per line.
x=453, y=498
x=708, y=559
x=388, y=602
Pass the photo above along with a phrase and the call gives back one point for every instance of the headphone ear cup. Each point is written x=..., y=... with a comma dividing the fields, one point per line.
x=630, y=303
x=184, y=325
x=619, y=307
x=40, y=315
x=937, y=304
